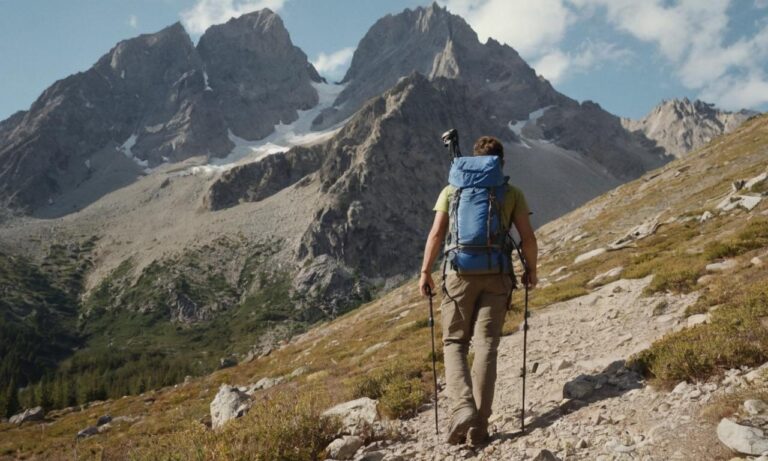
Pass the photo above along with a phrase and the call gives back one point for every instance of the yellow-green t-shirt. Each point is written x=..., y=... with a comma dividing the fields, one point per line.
x=514, y=203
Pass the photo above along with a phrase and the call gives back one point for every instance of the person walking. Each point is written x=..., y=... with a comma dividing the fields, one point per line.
x=478, y=207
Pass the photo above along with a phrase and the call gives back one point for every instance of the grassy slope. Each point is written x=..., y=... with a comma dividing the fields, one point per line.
x=335, y=352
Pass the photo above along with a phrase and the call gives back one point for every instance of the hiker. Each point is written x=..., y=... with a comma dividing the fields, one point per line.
x=477, y=279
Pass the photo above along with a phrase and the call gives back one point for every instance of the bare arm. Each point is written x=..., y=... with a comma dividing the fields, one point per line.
x=530, y=249
x=431, y=250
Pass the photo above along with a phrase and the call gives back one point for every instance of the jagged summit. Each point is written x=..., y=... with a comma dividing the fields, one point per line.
x=258, y=76
x=682, y=125
x=437, y=43
x=152, y=99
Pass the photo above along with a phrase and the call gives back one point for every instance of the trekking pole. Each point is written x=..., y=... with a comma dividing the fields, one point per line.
x=434, y=358
x=524, y=370
x=525, y=353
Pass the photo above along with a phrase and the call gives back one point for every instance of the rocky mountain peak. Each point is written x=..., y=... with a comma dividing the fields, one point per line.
x=259, y=76
x=436, y=43
x=682, y=125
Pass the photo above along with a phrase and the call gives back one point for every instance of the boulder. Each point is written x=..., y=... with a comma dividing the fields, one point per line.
x=355, y=415
x=344, y=447
x=742, y=439
x=229, y=403
x=755, y=407
x=227, y=362
x=747, y=202
x=697, y=319
x=723, y=266
x=299, y=371
x=546, y=455
x=31, y=414
x=589, y=255
x=580, y=388
x=87, y=432
x=266, y=383
x=600, y=278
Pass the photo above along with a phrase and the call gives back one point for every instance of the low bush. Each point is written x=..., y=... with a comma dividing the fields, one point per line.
x=754, y=236
x=285, y=426
x=737, y=335
x=398, y=388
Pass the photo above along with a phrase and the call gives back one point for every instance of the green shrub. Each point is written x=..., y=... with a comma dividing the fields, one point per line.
x=402, y=397
x=754, y=236
x=398, y=388
x=737, y=335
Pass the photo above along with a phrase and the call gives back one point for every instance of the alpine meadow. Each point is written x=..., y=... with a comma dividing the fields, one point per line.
x=210, y=249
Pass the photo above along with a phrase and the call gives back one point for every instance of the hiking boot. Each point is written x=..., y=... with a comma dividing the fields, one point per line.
x=478, y=434
x=461, y=421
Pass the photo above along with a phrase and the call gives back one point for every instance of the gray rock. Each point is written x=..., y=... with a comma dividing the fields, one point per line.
x=697, y=319
x=545, y=455
x=724, y=266
x=31, y=414
x=742, y=439
x=87, y=432
x=229, y=403
x=580, y=388
x=298, y=372
x=600, y=278
x=755, y=407
x=266, y=383
x=344, y=447
x=105, y=419
x=227, y=362
x=371, y=456
x=355, y=415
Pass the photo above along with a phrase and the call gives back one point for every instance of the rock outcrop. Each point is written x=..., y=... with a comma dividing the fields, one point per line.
x=229, y=403
x=31, y=414
x=681, y=126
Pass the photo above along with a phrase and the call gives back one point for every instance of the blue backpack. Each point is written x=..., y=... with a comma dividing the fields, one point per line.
x=477, y=239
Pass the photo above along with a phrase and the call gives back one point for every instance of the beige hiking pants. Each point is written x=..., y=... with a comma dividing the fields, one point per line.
x=474, y=309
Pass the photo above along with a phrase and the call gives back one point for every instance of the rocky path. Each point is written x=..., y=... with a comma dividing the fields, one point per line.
x=580, y=346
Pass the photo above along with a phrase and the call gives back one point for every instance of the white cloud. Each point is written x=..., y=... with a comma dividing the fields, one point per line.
x=557, y=65
x=133, y=21
x=527, y=26
x=206, y=13
x=690, y=35
x=738, y=92
x=334, y=64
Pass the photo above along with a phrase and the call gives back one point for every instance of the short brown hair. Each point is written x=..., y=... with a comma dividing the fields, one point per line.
x=488, y=145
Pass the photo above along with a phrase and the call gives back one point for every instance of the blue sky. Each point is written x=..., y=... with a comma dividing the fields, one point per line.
x=626, y=55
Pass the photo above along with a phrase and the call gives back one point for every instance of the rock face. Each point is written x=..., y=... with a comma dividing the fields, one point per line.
x=229, y=403
x=681, y=125
x=152, y=99
x=31, y=414
x=259, y=77
x=438, y=44
x=435, y=43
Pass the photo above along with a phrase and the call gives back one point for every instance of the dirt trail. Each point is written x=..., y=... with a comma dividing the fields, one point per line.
x=584, y=342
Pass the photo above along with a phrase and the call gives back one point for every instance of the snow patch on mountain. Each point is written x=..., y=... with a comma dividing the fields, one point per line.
x=298, y=133
x=517, y=127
